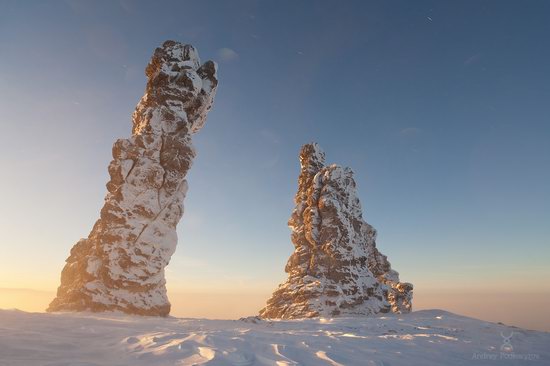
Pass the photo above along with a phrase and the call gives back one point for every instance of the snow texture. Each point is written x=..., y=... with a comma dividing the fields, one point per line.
x=336, y=269
x=421, y=338
x=120, y=266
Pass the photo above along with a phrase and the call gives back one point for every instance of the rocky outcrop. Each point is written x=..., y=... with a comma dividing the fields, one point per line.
x=336, y=268
x=120, y=265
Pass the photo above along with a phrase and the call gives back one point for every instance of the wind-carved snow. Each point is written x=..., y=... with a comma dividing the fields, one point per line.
x=336, y=269
x=421, y=338
x=120, y=266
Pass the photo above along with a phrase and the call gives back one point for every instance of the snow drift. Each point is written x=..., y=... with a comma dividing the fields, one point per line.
x=423, y=338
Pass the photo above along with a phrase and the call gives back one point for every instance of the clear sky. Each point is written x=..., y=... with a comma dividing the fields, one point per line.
x=442, y=109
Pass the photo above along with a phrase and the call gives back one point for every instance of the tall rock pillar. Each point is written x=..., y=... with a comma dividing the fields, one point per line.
x=336, y=268
x=120, y=265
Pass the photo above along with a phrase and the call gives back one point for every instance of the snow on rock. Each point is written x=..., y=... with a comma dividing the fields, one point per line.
x=423, y=338
x=336, y=269
x=120, y=265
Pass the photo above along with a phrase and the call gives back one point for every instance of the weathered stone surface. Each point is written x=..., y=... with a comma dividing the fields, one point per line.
x=336, y=268
x=120, y=266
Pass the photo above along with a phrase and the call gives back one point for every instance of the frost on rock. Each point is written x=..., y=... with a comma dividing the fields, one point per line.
x=336, y=268
x=120, y=266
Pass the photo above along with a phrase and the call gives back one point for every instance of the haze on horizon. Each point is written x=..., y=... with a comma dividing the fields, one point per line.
x=439, y=108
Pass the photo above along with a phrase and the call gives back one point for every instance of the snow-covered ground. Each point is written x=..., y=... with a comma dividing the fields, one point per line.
x=428, y=337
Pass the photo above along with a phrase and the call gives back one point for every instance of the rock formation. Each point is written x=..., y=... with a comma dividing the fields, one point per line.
x=120, y=266
x=336, y=268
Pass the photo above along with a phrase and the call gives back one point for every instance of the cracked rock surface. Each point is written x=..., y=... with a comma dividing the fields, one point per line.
x=336, y=269
x=120, y=265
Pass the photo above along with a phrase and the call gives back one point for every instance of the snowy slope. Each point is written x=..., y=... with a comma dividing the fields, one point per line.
x=429, y=337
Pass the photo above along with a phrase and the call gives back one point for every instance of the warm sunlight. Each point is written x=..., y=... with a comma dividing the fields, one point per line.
x=274, y=182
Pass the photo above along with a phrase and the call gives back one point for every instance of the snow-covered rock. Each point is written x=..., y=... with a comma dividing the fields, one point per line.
x=420, y=338
x=335, y=269
x=120, y=265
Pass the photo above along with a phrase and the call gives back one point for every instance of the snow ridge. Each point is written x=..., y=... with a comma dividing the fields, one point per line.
x=336, y=269
x=120, y=266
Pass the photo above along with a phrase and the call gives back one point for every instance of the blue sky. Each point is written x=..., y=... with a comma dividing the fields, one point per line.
x=441, y=108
